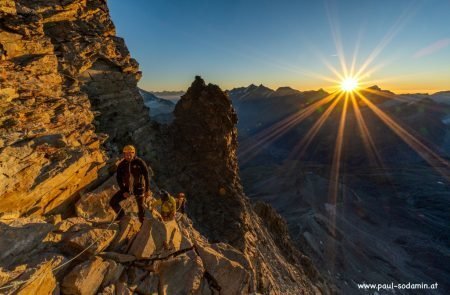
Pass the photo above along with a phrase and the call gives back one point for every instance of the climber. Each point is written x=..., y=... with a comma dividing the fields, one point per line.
x=181, y=203
x=168, y=205
x=133, y=177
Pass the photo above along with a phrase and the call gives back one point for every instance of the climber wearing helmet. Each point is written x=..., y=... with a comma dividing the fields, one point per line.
x=133, y=177
x=168, y=205
x=181, y=203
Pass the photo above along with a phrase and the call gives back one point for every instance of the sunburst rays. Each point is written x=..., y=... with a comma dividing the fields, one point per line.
x=431, y=157
x=351, y=103
x=352, y=75
x=255, y=143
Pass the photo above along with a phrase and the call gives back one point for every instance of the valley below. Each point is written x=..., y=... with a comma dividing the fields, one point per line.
x=387, y=221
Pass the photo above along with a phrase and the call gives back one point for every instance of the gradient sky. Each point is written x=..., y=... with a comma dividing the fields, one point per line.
x=235, y=43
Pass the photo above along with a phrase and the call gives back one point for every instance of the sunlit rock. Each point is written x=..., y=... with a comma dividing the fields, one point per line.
x=94, y=206
x=85, y=278
x=232, y=277
x=88, y=239
x=128, y=229
x=181, y=274
x=150, y=239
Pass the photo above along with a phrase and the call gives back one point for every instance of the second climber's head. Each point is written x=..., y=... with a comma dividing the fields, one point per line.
x=164, y=195
x=129, y=152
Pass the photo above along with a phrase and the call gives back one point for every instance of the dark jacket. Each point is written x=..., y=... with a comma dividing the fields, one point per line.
x=133, y=176
x=181, y=205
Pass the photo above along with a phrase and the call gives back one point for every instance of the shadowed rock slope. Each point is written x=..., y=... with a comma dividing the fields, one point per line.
x=200, y=150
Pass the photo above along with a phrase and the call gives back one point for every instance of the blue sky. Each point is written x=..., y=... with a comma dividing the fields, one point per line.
x=286, y=43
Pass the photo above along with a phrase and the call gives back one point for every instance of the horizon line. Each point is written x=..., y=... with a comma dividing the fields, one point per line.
x=326, y=89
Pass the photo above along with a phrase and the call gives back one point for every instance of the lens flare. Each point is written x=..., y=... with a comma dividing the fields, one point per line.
x=349, y=84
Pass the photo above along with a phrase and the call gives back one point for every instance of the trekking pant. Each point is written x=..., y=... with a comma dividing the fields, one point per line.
x=115, y=200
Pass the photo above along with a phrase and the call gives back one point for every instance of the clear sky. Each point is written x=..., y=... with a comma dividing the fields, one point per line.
x=234, y=43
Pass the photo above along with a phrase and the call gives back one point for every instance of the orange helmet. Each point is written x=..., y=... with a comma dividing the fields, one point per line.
x=129, y=149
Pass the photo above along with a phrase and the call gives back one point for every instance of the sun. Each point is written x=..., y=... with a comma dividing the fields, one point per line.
x=349, y=84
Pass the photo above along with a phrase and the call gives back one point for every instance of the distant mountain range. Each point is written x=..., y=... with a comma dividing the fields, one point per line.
x=442, y=97
x=385, y=214
x=170, y=95
x=262, y=105
x=160, y=109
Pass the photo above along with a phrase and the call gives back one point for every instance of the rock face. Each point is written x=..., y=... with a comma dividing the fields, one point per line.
x=203, y=164
x=205, y=131
x=63, y=77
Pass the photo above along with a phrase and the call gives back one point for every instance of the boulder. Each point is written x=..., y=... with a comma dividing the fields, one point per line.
x=150, y=265
x=21, y=237
x=186, y=242
x=123, y=289
x=150, y=239
x=37, y=275
x=135, y=276
x=231, y=276
x=94, y=206
x=181, y=274
x=53, y=237
x=128, y=229
x=42, y=281
x=94, y=240
x=85, y=278
x=149, y=286
x=113, y=273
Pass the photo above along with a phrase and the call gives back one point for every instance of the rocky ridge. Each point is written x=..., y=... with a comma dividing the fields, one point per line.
x=69, y=102
x=81, y=255
x=201, y=147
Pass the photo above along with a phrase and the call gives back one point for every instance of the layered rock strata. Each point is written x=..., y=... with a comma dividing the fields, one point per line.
x=67, y=85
